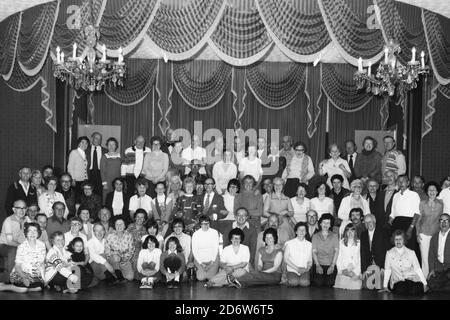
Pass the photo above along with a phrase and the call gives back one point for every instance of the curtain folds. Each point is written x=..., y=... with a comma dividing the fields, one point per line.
x=8, y=44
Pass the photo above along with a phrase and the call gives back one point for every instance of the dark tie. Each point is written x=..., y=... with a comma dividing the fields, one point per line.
x=94, y=159
x=350, y=162
x=207, y=202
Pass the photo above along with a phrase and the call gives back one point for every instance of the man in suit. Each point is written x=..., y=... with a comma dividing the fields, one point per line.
x=250, y=232
x=212, y=204
x=385, y=199
x=439, y=257
x=351, y=156
x=20, y=190
x=94, y=154
x=374, y=245
x=313, y=227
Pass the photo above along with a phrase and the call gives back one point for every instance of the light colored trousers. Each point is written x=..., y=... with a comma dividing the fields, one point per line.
x=424, y=249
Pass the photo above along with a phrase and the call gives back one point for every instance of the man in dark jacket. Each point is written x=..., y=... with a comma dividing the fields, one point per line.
x=439, y=257
x=21, y=190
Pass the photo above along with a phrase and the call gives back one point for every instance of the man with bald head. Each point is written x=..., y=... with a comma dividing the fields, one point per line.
x=20, y=189
x=132, y=165
x=11, y=236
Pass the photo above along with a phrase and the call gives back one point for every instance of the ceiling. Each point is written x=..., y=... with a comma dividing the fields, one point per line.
x=9, y=7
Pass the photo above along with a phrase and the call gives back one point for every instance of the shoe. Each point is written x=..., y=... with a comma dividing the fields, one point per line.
x=144, y=284
x=170, y=284
x=175, y=284
x=234, y=282
x=119, y=276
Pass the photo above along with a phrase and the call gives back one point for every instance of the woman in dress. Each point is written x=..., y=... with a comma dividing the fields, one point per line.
x=335, y=165
x=117, y=201
x=223, y=171
x=321, y=203
x=77, y=165
x=229, y=196
x=428, y=223
x=49, y=197
x=300, y=204
x=187, y=207
x=110, y=166
x=349, y=261
x=268, y=271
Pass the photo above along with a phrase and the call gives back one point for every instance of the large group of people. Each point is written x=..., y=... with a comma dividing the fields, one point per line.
x=243, y=216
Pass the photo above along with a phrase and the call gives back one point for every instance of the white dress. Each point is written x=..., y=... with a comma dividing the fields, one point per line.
x=322, y=206
x=349, y=258
x=300, y=210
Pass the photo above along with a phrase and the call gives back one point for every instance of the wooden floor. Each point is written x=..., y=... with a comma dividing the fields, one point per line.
x=196, y=291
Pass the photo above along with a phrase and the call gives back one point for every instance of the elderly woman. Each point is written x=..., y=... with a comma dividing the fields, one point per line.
x=369, y=161
x=321, y=203
x=298, y=257
x=300, y=169
x=91, y=200
x=28, y=272
x=187, y=206
x=229, y=196
x=223, y=171
x=102, y=269
x=234, y=261
x=117, y=201
x=119, y=250
x=137, y=230
x=140, y=200
x=205, y=250
x=77, y=165
x=279, y=204
x=335, y=165
x=110, y=165
x=37, y=182
x=300, y=204
x=155, y=166
x=325, y=250
x=353, y=200
x=349, y=261
x=49, y=197
x=428, y=222
x=402, y=272
x=268, y=270
x=172, y=262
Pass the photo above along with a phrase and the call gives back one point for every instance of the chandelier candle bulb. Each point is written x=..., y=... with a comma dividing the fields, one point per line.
x=104, y=53
x=62, y=57
x=360, y=65
x=413, y=58
x=386, y=53
x=74, y=53
x=369, y=69
x=58, y=54
x=120, y=59
x=422, y=59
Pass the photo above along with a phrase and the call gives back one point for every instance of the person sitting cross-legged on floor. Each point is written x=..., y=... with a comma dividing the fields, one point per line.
x=148, y=263
x=173, y=262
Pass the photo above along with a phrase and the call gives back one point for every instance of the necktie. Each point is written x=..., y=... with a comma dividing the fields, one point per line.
x=207, y=202
x=95, y=160
x=350, y=162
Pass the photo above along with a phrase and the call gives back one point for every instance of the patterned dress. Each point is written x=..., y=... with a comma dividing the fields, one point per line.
x=31, y=259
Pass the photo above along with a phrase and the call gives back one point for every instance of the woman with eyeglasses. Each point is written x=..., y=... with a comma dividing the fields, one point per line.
x=299, y=170
x=155, y=166
x=110, y=165
x=354, y=200
x=49, y=197
x=335, y=165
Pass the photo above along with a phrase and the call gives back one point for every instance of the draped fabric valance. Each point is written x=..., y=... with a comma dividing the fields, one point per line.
x=240, y=35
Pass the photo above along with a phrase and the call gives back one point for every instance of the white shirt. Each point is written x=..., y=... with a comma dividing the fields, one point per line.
x=441, y=245
x=231, y=258
x=251, y=167
x=190, y=154
x=136, y=166
x=222, y=176
x=402, y=265
x=205, y=245
x=331, y=167
x=300, y=209
x=322, y=206
x=406, y=204
x=144, y=202
x=117, y=203
x=445, y=197
x=228, y=201
x=211, y=197
x=98, y=149
x=299, y=253
x=96, y=250
x=25, y=187
x=346, y=207
x=349, y=257
x=149, y=256
x=371, y=238
x=354, y=155
x=45, y=202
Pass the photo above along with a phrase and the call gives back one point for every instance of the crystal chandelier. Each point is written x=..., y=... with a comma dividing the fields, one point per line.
x=391, y=76
x=86, y=72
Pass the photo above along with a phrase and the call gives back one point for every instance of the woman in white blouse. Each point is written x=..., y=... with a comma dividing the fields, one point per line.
x=223, y=171
x=140, y=200
x=148, y=263
x=117, y=201
x=402, y=269
x=228, y=198
x=251, y=165
x=322, y=203
x=354, y=200
x=49, y=197
x=300, y=203
x=335, y=165
x=77, y=165
x=349, y=261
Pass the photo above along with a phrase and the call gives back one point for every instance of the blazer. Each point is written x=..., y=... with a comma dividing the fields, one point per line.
x=126, y=203
x=433, y=261
x=309, y=236
x=382, y=215
x=16, y=192
x=88, y=155
x=353, y=176
x=380, y=245
x=216, y=206
x=77, y=167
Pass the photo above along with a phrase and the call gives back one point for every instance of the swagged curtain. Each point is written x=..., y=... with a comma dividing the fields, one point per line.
x=240, y=35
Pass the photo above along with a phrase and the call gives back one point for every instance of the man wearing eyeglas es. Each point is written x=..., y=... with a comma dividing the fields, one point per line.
x=11, y=236
x=155, y=166
x=65, y=188
x=213, y=205
x=439, y=257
